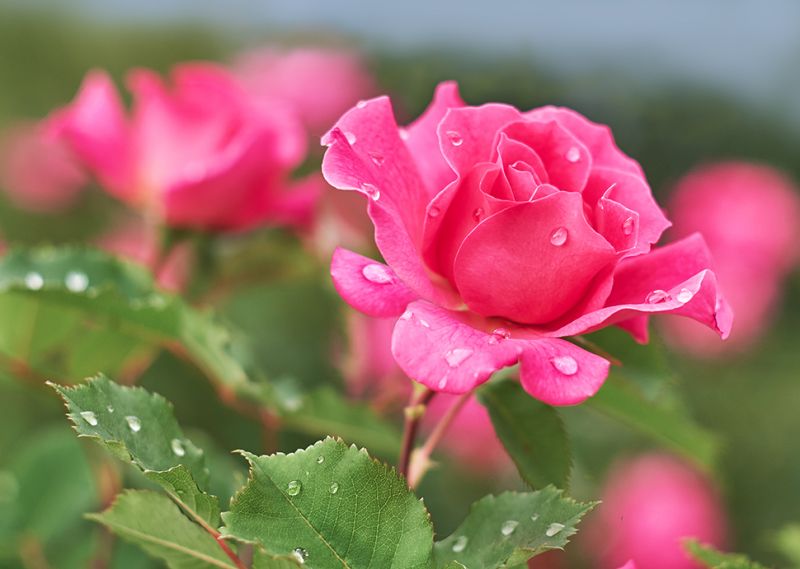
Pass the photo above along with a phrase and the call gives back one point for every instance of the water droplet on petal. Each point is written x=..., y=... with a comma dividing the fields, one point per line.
x=334, y=487
x=455, y=138
x=508, y=527
x=477, y=213
x=498, y=335
x=460, y=544
x=573, y=154
x=627, y=226
x=134, y=424
x=320, y=459
x=294, y=487
x=177, y=447
x=456, y=356
x=554, y=529
x=442, y=383
x=685, y=295
x=351, y=138
x=89, y=417
x=34, y=281
x=372, y=191
x=565, y=364
x=403, y=133
x=559, y=236
x=378, y=274
x=657, y=296
x=406, y=315
x=76, y=281
x=424, y=323
x=361, y=104
x=300, y=555
x=376, y=158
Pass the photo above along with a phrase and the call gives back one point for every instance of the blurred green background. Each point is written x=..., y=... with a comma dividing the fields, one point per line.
x=670, y=122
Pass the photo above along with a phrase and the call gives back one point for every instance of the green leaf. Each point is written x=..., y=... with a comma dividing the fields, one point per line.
x=156, y=524
x=532, y=433
x=788, y=543
x=63, y=297
x=621, y=399
x=714, y=559
x=334, y=504
x=509, y=529
x=140, y=427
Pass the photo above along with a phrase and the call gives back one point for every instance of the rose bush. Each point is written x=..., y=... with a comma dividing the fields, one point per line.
x=202, y=154
x=504, y=232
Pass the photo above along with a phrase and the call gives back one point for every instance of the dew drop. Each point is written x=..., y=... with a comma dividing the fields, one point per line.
x=508, y=527
x=177, y=447
x=134, y=424
x=460, y=544
x=76, y=281
x=333, y=488
x=456, y=356
x=573, y=154
x=627, y=226
x=685, y=295
x=403, y=133
x=372, y=191
x=554, y=529
x=294, y=487
x=361, y=104
x=442, y=383
x=406, y=315
x=377, y=274
x=424, y=323
x=300, y=555
x=477, y=214
x=559, y=236
x=351, y=138
x=498, y=335
x=565, y=364
x=534, y=517
x=455, y=138
x=89, y=417
x=657, y=296
x=320, y=459
x=434, y=211
x=376, y=158
x=110, y=409
x=34, y=281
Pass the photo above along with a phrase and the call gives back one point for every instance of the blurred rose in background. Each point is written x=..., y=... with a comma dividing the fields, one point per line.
x=749, y=215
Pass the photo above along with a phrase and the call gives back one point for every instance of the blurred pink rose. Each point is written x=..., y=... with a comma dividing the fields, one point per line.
x=750, y=218
x=649, y=505
x=371, y=372
x=200, y=154
x=319, y=83
x=504, y=232
x=134, y=240
x=37, y=171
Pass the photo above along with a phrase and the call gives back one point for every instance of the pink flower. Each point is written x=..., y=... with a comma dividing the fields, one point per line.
x=504, y=232
x=320, y=84
x=750, y=217
x=200, y=154
x=38, y=171
x=649, y=506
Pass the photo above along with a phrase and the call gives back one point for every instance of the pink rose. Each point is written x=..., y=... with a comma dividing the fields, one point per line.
x=37, y=171
x=649, y=506
x=199, y=154
x=319, y=83
x=504, y=232
x=750, y=217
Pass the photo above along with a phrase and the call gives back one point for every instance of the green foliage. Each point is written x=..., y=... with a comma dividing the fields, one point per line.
x=335, y=506
x=788, y=543
x=532, y=433
x=509, y=529
x=714, y=559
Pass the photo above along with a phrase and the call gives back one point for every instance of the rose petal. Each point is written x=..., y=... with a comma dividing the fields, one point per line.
x=369, y=286
x=673, y=279
x=95, y=127
x=531, y=262
x=422, y=139
x=618, y=224
x=560, y=373
x=596, y=137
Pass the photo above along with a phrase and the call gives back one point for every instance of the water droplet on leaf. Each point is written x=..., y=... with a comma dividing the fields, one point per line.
x=320, y=459
x=294, y=487
x=460, y=544
x=76, y=281
x=334, y=487
x=300, y=555
x=89, y=417
x=177, y=447
x=554, y=529
x=34, y=281
x=508, y=527
x=134, y=424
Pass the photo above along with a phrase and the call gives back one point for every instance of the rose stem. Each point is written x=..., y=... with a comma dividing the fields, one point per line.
x=414, y=412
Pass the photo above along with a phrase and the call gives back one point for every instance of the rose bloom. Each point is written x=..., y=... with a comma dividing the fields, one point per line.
x=504, y=232
x=649, y=506
x=199, y=153
x=37, y=171
x=750, y=217
x=319, y=83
